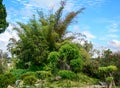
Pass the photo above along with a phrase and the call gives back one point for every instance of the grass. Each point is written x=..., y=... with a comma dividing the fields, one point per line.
x=83, y=80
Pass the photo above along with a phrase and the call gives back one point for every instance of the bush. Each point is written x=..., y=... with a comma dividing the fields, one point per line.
x=17, y=72
x=28, y=74
x=108, y=69
x=43, y=74
x=29, y=80
x=86, y=79
x=92, y=68
x=112, y=68
x=109, y=79
x=66, y=74
x=53, y=59
x=76, y=64
x=69, y=51
x=53, y=56
x=7, y=79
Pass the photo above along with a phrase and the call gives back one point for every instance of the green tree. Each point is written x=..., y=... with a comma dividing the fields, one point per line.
x=3, y=14
x=11, y=45
x=111, y=58
x=108, y=72
x=68, y=52
x=88, y=46
x=67, y=58
x=40, y=36
x=32, y=48
x=54, y=26
x=53, y=59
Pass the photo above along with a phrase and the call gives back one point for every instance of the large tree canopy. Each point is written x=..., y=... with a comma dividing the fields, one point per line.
x=40, y=36
x=3, y=14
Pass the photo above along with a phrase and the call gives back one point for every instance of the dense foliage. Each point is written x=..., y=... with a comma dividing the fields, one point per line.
x=44, y=55
x=3, y=14
x=17, y=72
x=43, y=74
x=65, y=74
x=110, y=58
x=29, y=80
x=68, y=57
x=7, y=79
x=41, y=36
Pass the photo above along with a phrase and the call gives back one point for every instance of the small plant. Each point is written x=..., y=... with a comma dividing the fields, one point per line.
x=86, y=79
x=112, y=68
x=69, y=51
x=17, y=72
x=108, y=73
x=53, y=58
x=28, y=74
x=66, y=74
x=29, y=80
x=7, y=79
x=76, y=65
x=109, y=79
x=43, y=74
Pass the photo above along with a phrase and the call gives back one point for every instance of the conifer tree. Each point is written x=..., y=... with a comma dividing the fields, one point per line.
x=3, y=15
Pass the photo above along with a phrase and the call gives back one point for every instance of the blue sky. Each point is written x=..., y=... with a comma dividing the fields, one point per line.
x=100, y=21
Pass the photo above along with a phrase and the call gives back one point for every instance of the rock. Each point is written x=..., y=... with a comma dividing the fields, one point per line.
x=56, y=78
x=38, y=81
x=10, y=86
x=102, y=83
x=17, y=82
x=100, y=86
x=27, y=86
x=21, y=84
x=37, y=85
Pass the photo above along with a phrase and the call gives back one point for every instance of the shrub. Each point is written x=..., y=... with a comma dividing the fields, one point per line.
x=108, y=69
x=28, y=74
x=7, y=79
x=29, y=80
x=109, y=79
x=53, y=58
x=86, y=79
x=69, y=51
x=112, y=68
x=43, y=74
x=66, y=74
x=76, y=64
x=17, y=72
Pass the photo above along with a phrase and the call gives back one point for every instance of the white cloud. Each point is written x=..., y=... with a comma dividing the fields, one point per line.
x=76, y=28
x=102, y=38
x=69, y=7
x=26, y=11
x=92, y=3
x=113, y=30
x=108, y=36
x=113, y=27
x=114, y=43
x=112, y=36
x=43, y=3
x=4, y=37
x=29, y=7
x=89, y=35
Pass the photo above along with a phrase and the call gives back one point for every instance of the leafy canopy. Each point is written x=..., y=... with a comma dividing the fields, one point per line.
x=3, y=15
